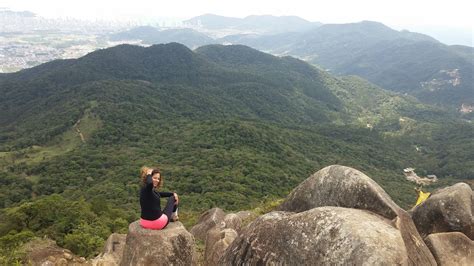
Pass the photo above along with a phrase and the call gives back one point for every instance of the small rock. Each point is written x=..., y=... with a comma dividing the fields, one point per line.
x=61, y=262
x=247, y=216
x=233, y=221
x=207, y=220
x=67, y=256
x=213, y=235
x=113, y=251
x=451, y=248
x=217, y=251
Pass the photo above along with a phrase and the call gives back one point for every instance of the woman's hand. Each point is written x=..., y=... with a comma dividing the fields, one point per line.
x=176, y=198
x=149, y=171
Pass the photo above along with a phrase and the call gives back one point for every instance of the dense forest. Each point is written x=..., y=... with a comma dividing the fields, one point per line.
x=402, y=61
x=229, y=126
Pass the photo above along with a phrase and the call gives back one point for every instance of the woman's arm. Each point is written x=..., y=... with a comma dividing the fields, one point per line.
x=169, y=194
x=149, y=182
x=165, y=194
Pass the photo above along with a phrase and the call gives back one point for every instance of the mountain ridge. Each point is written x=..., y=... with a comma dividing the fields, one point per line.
x=396, y=60
x=225, y=124
x=256, y=23
x=176, y=64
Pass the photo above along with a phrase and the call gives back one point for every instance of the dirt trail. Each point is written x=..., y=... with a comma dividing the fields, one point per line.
x=76, y=127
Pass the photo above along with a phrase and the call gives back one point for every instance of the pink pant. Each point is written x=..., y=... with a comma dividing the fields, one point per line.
x=157, y=224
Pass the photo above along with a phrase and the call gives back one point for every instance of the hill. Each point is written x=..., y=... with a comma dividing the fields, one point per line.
x=401, y=61
x=151, y=35
x=257, y=24
x=141, y=32
x=229, y=126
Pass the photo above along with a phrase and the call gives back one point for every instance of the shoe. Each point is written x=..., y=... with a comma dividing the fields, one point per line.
x=174, y=217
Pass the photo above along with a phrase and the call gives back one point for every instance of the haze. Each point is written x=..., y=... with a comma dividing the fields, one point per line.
x=437, y=18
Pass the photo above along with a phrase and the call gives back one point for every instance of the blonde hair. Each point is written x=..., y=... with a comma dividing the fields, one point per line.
x=143, y=173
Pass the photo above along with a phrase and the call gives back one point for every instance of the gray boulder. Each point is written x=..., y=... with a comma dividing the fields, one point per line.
x=215, y=250
x=206, y=221
x=246, y=217
x=340, y=186
x=232, y=221
x=343, y=186
x=213, y=235
x=44, y=251
x=231, y=225
x=447, y=210
x=113, y=251
x=173, y=245
x=320, y=236
x=451, y=248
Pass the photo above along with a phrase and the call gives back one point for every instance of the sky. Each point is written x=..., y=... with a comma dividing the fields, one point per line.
x=451, y=17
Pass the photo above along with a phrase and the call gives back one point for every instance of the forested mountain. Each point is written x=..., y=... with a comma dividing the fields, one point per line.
x=212, y=21
x=151, y=35
x=401, y=61
x=397, y=60
x=229, y=126
x=256, y=24
x=141, y=32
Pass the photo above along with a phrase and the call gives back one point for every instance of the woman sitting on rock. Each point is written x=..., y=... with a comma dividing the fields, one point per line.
x=151, y=216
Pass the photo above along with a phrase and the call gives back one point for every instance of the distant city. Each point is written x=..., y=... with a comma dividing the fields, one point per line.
x=28, y=40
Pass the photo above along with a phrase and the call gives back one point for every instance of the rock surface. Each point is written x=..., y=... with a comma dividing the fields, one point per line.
x=215, y=250
x=246, y=217
x=340, y=186
x=232, y=221
x=451, y=248
x=173, y=245
x=213, y=235
x=206, y=221
x=343, y=186
x=113, y=251
x=224, y=233
x=46, y=252
x=212, y=226
x=447, y=210
x=321, y=236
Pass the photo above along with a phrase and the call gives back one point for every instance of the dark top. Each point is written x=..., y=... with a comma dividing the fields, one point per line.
x=150, y=200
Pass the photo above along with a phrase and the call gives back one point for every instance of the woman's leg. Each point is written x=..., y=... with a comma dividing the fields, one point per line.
x=170, y=207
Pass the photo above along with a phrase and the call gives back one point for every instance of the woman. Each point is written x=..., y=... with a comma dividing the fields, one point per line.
x=152, y=217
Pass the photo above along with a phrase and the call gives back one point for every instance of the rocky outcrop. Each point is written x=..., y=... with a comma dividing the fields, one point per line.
x=321, y=236
x=246, y=216
x=213, y=235
x=343, y=186
x=232, y=221
x=216, y=246
x=337, y=216
x=219, y=237
x=173, y=245
x=447, y=210
x=340, y=186
x=451, y=248
x=45, y=252
x=206, y=221
x=217, y=230
x=113, y=251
